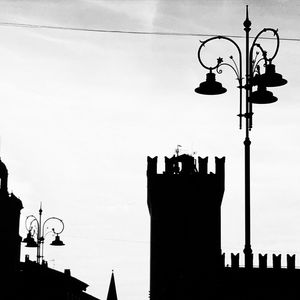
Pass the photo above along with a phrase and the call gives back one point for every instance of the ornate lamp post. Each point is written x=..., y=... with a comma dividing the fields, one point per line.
x=253, y=78
x=36, y=228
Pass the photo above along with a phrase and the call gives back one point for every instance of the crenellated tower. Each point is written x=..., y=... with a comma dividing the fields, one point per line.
x=185, y=210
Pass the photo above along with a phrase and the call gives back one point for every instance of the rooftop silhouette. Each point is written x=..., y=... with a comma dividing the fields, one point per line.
x=29, y=280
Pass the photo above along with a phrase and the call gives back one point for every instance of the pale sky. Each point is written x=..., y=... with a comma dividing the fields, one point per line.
x=80, y=112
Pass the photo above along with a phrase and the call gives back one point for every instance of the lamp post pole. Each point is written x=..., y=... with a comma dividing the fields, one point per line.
x=35, y=227
x=247, y=143
x=253, y=77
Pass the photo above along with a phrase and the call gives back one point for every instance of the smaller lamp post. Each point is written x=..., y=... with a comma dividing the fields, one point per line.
x=36, y=234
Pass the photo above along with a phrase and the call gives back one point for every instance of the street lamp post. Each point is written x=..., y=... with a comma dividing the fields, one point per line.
x=253, y=77
x=36, y=229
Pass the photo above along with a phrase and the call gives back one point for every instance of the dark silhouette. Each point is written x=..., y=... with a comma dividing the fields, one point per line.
x=28, y=280
x=248, y=81
x=112, y=291
x=186, y=260
x=9, y=225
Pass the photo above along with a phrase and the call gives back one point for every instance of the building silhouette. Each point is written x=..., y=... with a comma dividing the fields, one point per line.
x=186, y=260
x=9, y=224
x=28, y=280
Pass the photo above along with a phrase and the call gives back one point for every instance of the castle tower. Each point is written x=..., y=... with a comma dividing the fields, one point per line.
x=9, y=225
x=185, y=210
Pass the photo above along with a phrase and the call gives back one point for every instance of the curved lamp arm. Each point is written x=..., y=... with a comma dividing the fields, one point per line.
x=264, y=53
x=56, y=232
x=254, y=65
x=34, y=219
x=237, y=69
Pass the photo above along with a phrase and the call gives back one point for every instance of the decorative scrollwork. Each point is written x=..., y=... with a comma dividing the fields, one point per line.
x=29, y=224
x=256, y=67
x=53, y=229
x=263, y=52
x=255, y=58
x=220, y=62
x=219, y=71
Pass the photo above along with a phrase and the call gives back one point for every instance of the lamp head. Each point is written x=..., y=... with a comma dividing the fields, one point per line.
x=210, y=86
x=29, y=240
x=262, y=96
x=270, y=78
x=57, y=241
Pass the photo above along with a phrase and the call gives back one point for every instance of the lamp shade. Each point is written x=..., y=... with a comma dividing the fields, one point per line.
x=270, y=78
x=57, y=242
x=29, y=240
x=210, y=86
x=262, y=96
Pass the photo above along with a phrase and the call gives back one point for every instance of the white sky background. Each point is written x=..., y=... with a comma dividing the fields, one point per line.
x=81, y=111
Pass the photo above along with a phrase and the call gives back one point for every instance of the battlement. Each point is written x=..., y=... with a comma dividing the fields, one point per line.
x=185, y=165
x=262, y=262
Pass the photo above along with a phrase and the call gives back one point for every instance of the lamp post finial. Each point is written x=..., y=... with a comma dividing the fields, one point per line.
x=247, y=22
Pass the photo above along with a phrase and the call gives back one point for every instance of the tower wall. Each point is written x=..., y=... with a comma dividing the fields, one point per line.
x=185, y=210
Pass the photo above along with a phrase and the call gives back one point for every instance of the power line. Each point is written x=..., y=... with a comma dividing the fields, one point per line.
x=161, y=33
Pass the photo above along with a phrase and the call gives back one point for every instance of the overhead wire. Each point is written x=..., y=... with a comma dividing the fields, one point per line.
x=159, y=33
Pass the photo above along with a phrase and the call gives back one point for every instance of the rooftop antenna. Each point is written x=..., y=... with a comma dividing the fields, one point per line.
x=177, y=150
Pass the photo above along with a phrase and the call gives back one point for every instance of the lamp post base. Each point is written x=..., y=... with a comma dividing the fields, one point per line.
x=248, y=257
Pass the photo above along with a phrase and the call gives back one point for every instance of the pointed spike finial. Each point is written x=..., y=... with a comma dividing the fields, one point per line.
x=247, y=22
x=112, y=291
